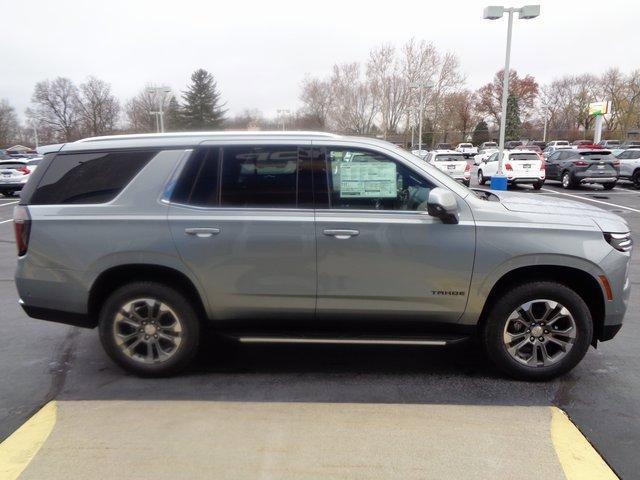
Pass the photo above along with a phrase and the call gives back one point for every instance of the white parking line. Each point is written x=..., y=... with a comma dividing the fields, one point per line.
x=592, y=200
x=6, y=221
x=10, y=203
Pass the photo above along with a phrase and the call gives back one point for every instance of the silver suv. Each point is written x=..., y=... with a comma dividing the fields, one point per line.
x=314, y=238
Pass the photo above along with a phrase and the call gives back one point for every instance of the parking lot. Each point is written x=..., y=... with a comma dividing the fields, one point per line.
x=333, y=411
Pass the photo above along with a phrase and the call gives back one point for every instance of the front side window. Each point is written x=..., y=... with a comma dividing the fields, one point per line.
x=367, y=180
x=259, y=177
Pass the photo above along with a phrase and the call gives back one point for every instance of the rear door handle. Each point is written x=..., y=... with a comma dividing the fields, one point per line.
x=202, y=232
x=341, y=234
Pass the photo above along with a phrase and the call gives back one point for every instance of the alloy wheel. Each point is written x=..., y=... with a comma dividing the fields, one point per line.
x=147, y=330
x=539, y=333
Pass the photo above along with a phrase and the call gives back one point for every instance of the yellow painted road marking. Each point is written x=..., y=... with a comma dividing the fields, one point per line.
x=578, y=458
x=19, y=449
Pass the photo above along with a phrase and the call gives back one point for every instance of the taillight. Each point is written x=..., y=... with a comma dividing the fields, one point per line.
x=543, y=165
x=580, y=163
x=24, y=170
x=507, y=166
x=467, y=168
x=22, y=228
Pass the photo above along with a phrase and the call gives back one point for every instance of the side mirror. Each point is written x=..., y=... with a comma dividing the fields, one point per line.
x=442, y=204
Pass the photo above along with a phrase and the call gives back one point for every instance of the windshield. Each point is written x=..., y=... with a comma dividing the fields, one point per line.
x=562, y=142
x=449, y=157
x=490, y=144
x=465, y=145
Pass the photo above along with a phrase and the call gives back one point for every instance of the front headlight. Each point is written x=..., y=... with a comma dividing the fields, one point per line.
x=619, y=241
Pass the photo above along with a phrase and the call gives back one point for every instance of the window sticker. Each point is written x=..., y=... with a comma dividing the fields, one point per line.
x=368, y=180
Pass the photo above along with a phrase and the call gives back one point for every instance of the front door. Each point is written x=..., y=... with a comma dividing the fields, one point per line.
x=380, y=255
x=242, y=219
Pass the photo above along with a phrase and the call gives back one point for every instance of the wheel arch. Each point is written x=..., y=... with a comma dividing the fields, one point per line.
x=581, y=281
x=116, y=276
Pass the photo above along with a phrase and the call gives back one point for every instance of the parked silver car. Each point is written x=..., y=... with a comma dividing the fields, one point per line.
x=313, y=238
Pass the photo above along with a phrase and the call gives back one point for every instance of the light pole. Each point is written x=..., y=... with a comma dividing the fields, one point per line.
x=160, y=94
x=499, y=181
x=422, y=87
x=282, y=112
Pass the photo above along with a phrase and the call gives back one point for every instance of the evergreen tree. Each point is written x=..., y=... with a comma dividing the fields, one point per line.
x=173, y=116
x=481, y=133
x=202, y=108
x=514, y=125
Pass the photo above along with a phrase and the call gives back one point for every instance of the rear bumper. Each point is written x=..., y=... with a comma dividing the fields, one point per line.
x=4, y=187
x=589, y=177
x=59, y=316
x=525, y=180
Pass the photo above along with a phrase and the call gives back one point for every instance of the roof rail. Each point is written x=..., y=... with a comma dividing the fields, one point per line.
x=221, y=133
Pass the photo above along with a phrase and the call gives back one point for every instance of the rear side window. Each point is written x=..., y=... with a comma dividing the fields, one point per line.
x=259, y=177
x=198, y=183
x=88, y=177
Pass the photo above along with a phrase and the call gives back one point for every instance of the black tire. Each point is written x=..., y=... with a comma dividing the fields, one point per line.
x=493, y=330
x=481, y=179
x=177, y=302
x=538, y=185
x=567, y=180
x=609, y=186
x=8, y=193
x=635, y=178
x=466, y=183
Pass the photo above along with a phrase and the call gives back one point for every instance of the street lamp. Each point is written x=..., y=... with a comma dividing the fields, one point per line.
x=160, y=94
x=499, y=181
x=422, y=87
x=282, y=113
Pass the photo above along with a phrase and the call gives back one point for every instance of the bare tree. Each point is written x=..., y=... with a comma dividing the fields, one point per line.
x=355, y=106
x=138, y=111
x=9, y=125
x=525, y=89
x=389, y=86
x=56, y=106
x=99, y=110
x=316, y=98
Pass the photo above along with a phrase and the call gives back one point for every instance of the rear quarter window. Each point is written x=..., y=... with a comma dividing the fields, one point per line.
x=94, y=177
x=524, y=156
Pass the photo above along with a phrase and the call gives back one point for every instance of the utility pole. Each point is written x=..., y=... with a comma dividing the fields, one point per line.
x=160, y=94
x=421, y=87
x=282, y=113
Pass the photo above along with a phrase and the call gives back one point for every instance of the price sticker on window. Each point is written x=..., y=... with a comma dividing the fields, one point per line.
x=368, y=180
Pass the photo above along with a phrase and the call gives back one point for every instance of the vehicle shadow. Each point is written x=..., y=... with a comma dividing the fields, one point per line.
x=227, y=371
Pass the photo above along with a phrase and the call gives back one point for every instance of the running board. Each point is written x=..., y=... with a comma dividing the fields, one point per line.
x=440, y=342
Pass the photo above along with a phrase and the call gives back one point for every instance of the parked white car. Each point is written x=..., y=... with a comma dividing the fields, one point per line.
x=483, y=155
x=630, y=165
x=420, y=153
x=520, y=166
x=558, y=143
x=452, y=163
x=15, y=173
x=467, y=149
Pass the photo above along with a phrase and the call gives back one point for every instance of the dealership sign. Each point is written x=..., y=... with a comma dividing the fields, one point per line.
x=599, y=108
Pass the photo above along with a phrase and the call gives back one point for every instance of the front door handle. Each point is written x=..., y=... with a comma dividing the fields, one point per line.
x=341, y=234
x=202, y=232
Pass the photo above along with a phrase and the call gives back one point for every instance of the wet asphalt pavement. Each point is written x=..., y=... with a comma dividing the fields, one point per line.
x=41, y=361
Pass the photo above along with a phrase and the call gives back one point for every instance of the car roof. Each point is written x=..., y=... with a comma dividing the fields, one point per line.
x=446, y=151
x=520, y=150
x=193, y=139
x=597, y=150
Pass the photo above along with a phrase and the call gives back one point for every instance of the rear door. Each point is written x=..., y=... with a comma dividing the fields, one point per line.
x=380, y=255
x=242, y=219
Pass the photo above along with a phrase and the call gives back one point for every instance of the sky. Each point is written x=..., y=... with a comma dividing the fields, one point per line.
x=260, y=51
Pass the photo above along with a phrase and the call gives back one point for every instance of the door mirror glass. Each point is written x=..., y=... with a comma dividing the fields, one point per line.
x=442, y=204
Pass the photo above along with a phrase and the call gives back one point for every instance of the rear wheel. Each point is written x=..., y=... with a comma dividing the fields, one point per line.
x=538, y=185
x=466, y=183
x=8, y=193
x=481, y=179
x=538, y=331
x=609, y=186
x=567, y=181
x=149, y=329
x=635, y=178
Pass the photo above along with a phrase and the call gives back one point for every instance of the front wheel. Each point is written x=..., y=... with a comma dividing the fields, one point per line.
x=149, y=329
x=481, y=179
x=538, y=331
x=609, y=186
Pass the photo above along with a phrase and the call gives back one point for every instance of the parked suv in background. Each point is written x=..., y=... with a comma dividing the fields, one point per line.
x=578, y=166
x=452, y=163
x=309, y=237
x=14, y=174
x=520, y=166
x=630, y=166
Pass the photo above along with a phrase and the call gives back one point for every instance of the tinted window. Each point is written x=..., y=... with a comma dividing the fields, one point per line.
x=88, y=177
x=365, y=180
x=198, y=182
x=12, y=165
x=259, y=176
x=524, y=156
x=449, y=157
